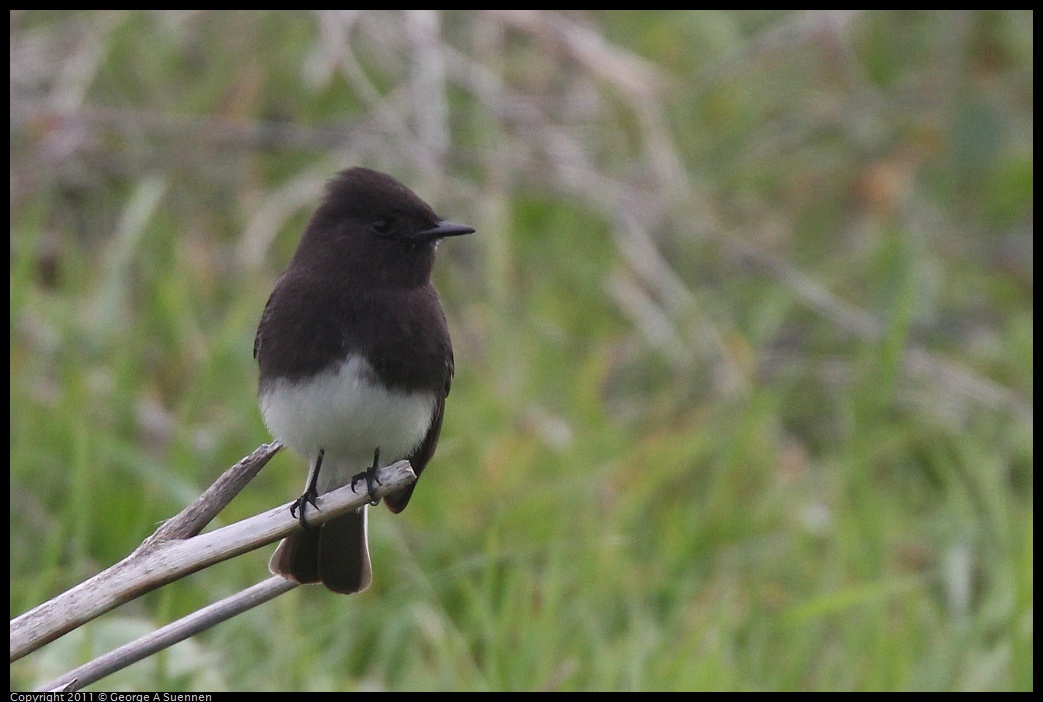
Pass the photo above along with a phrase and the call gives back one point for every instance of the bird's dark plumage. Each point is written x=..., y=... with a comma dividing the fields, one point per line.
x=355, y=356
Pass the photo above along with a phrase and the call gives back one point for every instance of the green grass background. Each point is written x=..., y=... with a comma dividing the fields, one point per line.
x=744, y=340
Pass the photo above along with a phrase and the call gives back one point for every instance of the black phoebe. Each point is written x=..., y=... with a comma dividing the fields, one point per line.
x=355, y=360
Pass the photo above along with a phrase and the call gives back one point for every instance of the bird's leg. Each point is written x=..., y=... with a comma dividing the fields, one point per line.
x=370, y=476
x=310, y=493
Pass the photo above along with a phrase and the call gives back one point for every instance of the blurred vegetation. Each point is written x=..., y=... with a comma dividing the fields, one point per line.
x=744, y=342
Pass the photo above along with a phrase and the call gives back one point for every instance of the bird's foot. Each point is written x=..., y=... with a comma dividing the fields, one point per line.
x=370, y=476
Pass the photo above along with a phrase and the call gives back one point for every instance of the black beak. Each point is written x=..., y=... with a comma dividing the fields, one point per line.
x=443, y=230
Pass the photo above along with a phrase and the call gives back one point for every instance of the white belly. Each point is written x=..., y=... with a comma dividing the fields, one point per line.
x=345, y=413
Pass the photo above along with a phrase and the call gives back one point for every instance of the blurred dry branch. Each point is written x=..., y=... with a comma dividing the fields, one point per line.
x=423, y=80
x=176, y=550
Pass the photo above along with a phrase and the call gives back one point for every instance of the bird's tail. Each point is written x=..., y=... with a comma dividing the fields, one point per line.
x=335, y=554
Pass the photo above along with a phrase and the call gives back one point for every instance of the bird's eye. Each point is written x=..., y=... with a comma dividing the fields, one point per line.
x=381, y=226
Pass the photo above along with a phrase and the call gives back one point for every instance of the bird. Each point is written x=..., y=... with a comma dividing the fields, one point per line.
x=355, y=361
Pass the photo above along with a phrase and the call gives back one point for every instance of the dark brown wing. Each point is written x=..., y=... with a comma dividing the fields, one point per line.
x=258, y=336
x=397, y=501
x=305, y=313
